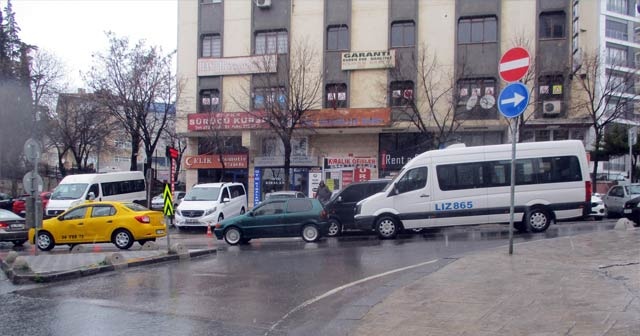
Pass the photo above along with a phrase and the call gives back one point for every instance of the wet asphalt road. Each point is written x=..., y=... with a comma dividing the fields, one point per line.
x=270, y=287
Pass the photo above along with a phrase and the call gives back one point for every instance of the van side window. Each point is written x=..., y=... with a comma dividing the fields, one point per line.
x=225, y=193
x=413, y=179
x=95, y=190
x=461, y=176
x=237, y=191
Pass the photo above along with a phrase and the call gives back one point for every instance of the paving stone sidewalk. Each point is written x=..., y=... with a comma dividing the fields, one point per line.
x=581, y=285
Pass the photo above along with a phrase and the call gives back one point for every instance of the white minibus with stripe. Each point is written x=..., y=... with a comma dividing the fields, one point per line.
x=471, y=185
x=128, y=186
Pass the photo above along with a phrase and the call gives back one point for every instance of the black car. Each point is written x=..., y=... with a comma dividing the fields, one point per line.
x=6, y=201
x=341, y=207
x=631, y=210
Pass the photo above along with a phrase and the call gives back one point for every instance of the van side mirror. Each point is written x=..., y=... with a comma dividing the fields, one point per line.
x=91, y=196
x=339, y=199
x=226, y=200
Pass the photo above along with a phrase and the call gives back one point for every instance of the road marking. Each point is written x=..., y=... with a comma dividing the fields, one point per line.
x=341, y=288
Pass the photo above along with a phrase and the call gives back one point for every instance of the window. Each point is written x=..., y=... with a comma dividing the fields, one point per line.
x=122, y=144
x=616, y=30
x=552, y=25
x=616, y=83
x=617, y=56
x=225, y=194
x=401, y=93
x=477, y=98
x=75, y=214
x=237, y=191
x=122, y=187
x=355, y=193
x=103, y=211
x=618, y=6
x=95, y=190
x=478, y=30
x=460, y=176
x=121, y=159
x=267, y=98
x=403, y=34
x=209, y=101
x=336, y=95
x=299, y=205
x=211, y=45
x=551, y=87
x=413, y=179
x=338, y=37
x=272, y=42
x=270, y=208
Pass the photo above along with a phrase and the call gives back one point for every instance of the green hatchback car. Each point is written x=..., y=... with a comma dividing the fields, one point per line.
x=291, y=217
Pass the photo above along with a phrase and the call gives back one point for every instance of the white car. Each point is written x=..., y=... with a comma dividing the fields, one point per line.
x=210, y=203
x=157, y=202
x=597, y=207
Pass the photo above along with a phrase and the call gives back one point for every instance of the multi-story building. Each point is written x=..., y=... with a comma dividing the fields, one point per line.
x=364, y=131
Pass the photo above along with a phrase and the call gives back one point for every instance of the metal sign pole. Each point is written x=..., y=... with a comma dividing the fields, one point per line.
x=514, y=127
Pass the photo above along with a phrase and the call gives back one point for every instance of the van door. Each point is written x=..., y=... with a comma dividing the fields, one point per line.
x=411, y=197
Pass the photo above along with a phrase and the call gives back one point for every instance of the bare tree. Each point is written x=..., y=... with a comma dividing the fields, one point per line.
x=606, y=93
x=432, y=108
x=177, y=141
x=288, y=95
x=137, y=85
x=529, y=80
x=47, y=79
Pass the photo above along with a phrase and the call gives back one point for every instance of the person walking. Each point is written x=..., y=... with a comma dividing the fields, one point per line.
x=323, y=193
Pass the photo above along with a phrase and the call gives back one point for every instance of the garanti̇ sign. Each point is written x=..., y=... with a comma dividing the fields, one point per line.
x=376, y=59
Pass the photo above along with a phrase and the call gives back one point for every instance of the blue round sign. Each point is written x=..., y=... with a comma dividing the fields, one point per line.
x=513, y=100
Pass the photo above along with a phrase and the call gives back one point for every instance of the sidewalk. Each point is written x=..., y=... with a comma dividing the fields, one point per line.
x=581, y=285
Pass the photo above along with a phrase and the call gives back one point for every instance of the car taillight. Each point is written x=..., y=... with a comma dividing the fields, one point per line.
x=323, y=214
x=587, y=191
x=143, y=219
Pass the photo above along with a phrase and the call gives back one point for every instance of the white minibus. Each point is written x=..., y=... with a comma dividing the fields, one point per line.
x=471, y=185
x=75, y=189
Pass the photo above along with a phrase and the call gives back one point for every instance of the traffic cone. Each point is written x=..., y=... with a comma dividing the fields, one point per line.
x=209, y=234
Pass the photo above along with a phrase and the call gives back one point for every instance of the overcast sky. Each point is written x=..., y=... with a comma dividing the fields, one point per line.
x=74, y=29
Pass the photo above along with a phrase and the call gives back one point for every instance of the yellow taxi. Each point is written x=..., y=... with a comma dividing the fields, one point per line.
x=120, y=223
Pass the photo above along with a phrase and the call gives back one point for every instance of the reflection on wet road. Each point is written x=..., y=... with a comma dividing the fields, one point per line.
x=245, y=290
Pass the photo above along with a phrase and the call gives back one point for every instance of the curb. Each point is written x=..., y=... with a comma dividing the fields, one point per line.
x=26, y=277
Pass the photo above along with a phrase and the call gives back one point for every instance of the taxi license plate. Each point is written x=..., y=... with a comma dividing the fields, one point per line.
x=627, y=211
x=17, y=226
x=192, y=221
x=159, y=231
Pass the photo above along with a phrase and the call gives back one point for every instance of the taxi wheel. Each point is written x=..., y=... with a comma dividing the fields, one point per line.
x=122, y=239
x=45, y=241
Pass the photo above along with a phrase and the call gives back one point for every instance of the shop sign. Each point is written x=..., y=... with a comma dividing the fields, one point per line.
x=257, y=183
x=224, y=120
x=350, y=162
x=315, y=176
x=278, y=161
x=237, y=65
x=361, y=174
x=351, y=117
x=375, y=59
x=232, y=161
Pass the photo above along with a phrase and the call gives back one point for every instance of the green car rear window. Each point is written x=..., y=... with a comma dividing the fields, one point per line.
x=299, y=205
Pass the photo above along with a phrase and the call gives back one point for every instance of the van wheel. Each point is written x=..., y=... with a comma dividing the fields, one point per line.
x=538, y=220
x=387, y=227
x=334, y=228
x=122, y=239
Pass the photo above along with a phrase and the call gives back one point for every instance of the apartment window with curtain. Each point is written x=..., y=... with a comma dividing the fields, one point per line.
x=403, y=34
x=401, y=93
x=272, y=42
x=336, y=95
x=618, y=6
x=477, y=98
x=267, y=98
x=211, y=45
x=478, y=30
x=209, y=101
x=338, y=37
x=616, y=29
x=552, y=25
x=617, y=56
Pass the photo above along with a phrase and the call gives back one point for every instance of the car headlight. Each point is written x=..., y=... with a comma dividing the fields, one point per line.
x=210, y=211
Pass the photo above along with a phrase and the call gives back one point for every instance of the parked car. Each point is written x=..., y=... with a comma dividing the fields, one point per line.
x=597, y=207
x=20, y=204
x=6, y=201
x=13, y=228
x=284, y=194
x=206, y=204
x=288, y=217
x=341, y=206
x=632, y=210
x=157, y=202
x=120, y=223
x=616, y=198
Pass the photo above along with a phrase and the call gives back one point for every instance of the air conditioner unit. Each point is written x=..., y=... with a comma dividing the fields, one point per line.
x=551, y=107
x=263, y=3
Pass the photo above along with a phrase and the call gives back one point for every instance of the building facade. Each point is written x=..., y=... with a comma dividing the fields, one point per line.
x=374, y=56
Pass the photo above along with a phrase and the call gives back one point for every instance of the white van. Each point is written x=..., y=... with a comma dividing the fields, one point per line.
x=471, y=185
x=126, y=186
x=210, y=203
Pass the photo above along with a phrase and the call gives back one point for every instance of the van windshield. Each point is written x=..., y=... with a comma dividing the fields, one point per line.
x=203, y=194
x=69, y=191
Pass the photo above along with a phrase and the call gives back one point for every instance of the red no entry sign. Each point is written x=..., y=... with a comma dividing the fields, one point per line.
x=514, y=64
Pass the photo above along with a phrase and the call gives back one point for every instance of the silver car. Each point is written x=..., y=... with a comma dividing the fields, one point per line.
x=13, y=228
x=617, y=196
